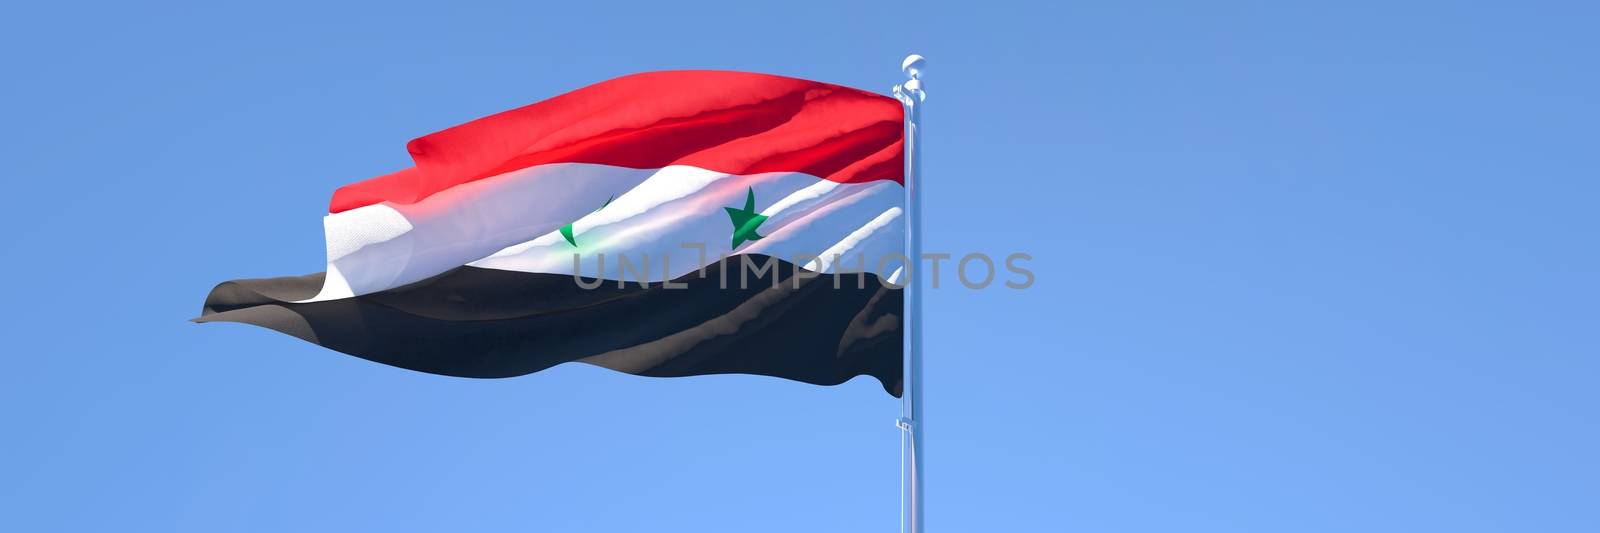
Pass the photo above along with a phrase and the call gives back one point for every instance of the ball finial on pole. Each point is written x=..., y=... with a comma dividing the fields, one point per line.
x=913, y=66
x=911, y=91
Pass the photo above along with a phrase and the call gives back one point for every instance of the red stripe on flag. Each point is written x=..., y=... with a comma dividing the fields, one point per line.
x=733, y=122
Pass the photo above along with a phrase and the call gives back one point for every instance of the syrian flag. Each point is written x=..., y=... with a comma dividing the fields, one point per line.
x=663, y=224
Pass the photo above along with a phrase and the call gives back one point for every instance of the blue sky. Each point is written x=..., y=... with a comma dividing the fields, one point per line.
x=1326, y=268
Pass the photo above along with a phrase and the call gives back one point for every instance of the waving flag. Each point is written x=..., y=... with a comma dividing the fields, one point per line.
x=663, y=224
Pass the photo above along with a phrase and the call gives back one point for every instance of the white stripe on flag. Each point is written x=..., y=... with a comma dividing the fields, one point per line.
x=512, y=222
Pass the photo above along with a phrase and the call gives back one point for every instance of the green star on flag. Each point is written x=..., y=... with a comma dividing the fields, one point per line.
x=745, y=221
x=566, y=231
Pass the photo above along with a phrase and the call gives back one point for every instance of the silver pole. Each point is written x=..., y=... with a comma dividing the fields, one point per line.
x=911, y=96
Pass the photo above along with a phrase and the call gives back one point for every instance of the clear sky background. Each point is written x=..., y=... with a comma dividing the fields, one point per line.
x=1299, y=269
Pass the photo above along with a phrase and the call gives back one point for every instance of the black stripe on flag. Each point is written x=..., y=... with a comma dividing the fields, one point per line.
x=486, y=323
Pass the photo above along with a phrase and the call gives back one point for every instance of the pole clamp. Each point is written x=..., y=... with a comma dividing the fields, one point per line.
x=903, y=423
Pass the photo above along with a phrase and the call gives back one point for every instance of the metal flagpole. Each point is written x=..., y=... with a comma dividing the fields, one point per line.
x=911, y=96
